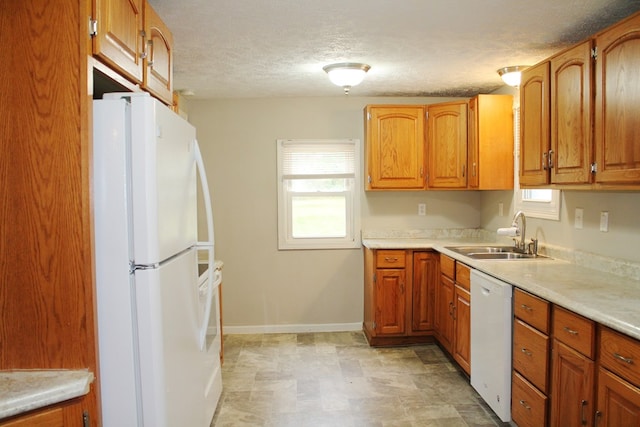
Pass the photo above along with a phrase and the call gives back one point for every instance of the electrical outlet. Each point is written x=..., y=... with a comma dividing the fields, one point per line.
x=577, y=220
x=500, y=209
x=604, y=221
x=422, y=209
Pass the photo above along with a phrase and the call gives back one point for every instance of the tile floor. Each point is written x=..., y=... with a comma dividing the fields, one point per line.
x=336, y=379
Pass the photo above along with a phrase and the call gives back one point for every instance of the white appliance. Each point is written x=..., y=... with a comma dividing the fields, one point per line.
x=491, y=337
x=158, y=318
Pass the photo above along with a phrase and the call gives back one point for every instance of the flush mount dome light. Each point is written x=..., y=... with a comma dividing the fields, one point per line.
x=511, y=75
x=346, y=74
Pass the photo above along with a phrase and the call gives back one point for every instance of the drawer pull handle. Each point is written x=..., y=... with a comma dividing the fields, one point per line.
x=583, y=403
x=527, y=352
x=523, y=403
x=526, y=307
x=628, y=360
x=570, y=331
x=390, y=259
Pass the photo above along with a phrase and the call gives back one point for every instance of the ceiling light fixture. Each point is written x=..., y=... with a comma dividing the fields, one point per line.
x=511, y=75
x=346, y=74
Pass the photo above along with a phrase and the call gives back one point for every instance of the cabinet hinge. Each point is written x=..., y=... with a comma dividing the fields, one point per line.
x=426, y=114
x=86, y=422
x=594, y=167
x=374, y=325
x=375, y=277
x=594, y=53
x=369, y=179
x=93, y=27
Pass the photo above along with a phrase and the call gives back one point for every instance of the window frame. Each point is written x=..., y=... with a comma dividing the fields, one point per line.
x=352, y=202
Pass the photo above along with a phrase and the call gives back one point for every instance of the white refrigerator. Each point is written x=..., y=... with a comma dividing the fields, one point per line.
x=158, y=320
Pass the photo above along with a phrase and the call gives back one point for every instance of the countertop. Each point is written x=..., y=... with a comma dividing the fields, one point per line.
x=606, y=298
x=25, y=390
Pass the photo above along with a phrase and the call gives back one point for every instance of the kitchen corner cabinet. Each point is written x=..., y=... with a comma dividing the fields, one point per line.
x=617, y=103
x=398, y=296
x=65, y=414
x=447, y=145
x=158, y=61
x=394, y=145
x=490, y=142
x=119, y=36
x=453, y=311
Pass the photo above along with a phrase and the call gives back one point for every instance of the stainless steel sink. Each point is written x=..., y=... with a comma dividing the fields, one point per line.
x=493, y=252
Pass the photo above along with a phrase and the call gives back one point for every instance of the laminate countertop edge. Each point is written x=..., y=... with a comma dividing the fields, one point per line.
x=25, y=390
x=606, y=298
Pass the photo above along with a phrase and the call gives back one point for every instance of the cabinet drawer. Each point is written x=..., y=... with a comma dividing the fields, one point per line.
x=533, y=310
x=620, y=354
x=463, y=276
x=390, y=259
x=448, y=266
x=528, y=405
x=531, y=354
x=574, y=330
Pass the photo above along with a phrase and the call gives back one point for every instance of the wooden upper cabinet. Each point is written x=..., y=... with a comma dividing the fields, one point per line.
x=490, y=151
x=395, y=147
x=447, y=145
x=158, y=62
x=570, y=157
x=617, y=109
x=119, y=40
x=534, y=125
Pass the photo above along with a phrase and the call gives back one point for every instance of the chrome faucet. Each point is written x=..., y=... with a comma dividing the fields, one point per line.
x=520, y=245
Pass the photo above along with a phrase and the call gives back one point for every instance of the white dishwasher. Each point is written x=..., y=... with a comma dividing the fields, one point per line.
x=491, y=337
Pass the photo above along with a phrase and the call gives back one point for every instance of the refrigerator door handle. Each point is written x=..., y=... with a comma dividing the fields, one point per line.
x=208, y=245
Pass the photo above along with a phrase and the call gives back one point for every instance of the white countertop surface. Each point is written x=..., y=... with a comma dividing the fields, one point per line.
x=25, y=390
x=607, y=298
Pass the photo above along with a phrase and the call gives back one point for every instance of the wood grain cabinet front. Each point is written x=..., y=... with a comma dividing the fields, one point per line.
x=119, y=38
x=447, y=145
x=399, y=296
x=394, y=147
x=158, y=59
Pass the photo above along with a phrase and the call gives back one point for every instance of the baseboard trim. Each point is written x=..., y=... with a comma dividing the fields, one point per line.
x=292, y=329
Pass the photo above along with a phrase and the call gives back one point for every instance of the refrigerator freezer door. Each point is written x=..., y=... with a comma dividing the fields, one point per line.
x=163, y=181
x=171, y=362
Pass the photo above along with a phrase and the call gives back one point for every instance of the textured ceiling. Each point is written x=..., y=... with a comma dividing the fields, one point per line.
x=277, y=48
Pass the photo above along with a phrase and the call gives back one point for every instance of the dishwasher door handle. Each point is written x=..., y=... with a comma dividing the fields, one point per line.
x=485, y=291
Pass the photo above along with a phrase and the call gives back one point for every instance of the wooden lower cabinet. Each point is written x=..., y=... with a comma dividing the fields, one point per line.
x=399, y=296
x=444, y=312
x=462, y=322
x=528, y=404
x=64, y=414
x=572, y=390
x=618, y=401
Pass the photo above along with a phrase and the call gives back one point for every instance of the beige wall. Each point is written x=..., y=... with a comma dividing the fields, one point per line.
x=267, y=287
x=320, y=289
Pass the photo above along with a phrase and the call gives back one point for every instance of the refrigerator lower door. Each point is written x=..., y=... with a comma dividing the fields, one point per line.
x=171, y=362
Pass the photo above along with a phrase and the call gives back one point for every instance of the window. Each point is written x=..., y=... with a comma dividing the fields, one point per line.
x=318, y=198
x=536, y=203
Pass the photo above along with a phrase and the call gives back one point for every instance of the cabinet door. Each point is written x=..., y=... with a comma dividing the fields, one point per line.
x=120, y=37
x=447, y=145
x=618, y=402
x=395, y=147
x=490, y=149
x=390, y=301
x=534, y=125
x=444, y=312
x=571, y=116
x=571, y=387
x=462, y=319
x=158, y=63
x=425, y=268
x=617, y=109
